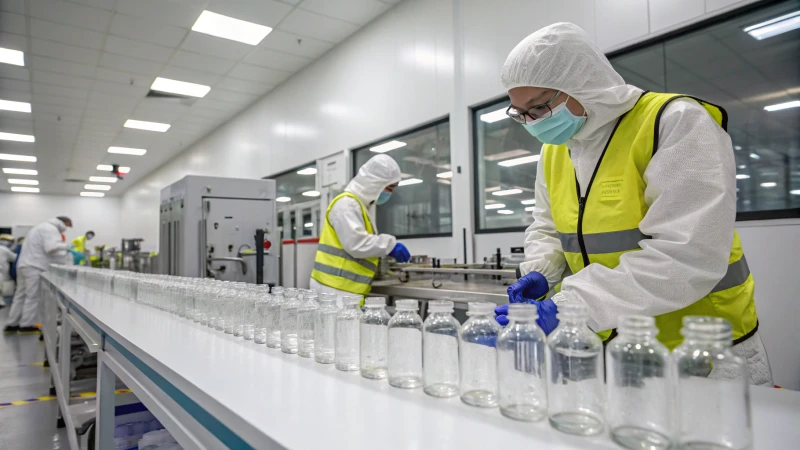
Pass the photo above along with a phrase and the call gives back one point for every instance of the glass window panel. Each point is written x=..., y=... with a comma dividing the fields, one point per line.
x=419, y=208
x=293, y=183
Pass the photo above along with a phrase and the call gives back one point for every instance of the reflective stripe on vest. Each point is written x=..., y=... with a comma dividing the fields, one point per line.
x=614, y=205
x=343, y=254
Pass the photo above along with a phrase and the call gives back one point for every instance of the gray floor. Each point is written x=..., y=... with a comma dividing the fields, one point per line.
x=31, y=426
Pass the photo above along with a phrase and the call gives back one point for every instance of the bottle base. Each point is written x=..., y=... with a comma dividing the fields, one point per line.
x=700, y=445
x=373, y=374
x=579, y=424
x=406, y=382
x=480, y=398
x=324, y=359
x=636, y=438
x=524, y=413
x=305, y=354
x=289, y=350
x=347, y=367
x=441, y=390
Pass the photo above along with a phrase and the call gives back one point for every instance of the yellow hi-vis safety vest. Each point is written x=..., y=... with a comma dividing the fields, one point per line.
x=604, y=224
x=79, y=244
x=336, y=268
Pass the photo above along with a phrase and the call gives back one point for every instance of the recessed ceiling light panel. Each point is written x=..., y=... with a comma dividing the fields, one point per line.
x=229, y=28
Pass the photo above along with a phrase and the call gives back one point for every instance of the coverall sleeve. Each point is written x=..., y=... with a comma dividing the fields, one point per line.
x=346, y=218
x=543, y=252
x=8, y=254
x=691, y=193
x=53, y=245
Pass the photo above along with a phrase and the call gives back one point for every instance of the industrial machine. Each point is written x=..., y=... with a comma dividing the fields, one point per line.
x=217, y=227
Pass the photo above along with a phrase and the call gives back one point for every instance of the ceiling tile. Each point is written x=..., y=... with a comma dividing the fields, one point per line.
x=306, y=23
x=113, y=102
x=258, y=74
x=288, y=42
x=40, y=100
x=128, y=64
x=47, y=117
x=70, y=14
x=14, y=6
x=57, y=110
x=230, y=96
x=262, y=12
x=245, y=87
x=203, y=63
x=18, y=73
x=66, y=34
x=157, y=110
x=103, y=4
x=67, y=68
x=276, y=60
x=69, y=53
x=13, y=23
x=146, y=30
x=41, y=89
x=354, y=11
x=41, y=76
x=180, y=13
x=192, y=76
x=138, y=49
x=14, y=96
x=125, y=78
x=14, y=85
x=214, y=46
x=118, y=89
x=14, y=41
x=11, y=124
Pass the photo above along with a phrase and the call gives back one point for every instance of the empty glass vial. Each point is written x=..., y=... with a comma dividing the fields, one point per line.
x=260, y=307
x=478, y=356
x=249, y=316
x=713, y=410
x=374, y=338
x=639, y=386
x=289, y=320
x=575, y=389
x=274, y=318
x=522, y=388
x=347, y=340
x=325, y=329
x=405, y=346
x=229, y=309
x=440, y=350
x=305, y=324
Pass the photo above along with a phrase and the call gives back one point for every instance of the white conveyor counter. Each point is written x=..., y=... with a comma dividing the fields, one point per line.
x=212, y=390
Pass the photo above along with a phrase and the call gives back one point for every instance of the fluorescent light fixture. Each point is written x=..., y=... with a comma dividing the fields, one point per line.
x=14, y=57
x=24, y=158
x=92, y=194
x=742, y=176
x=97, y=187
x=518, y=161
x=737, y=147
x=529, y=202
x=149, y=126
x=774, y=27
x=507, y=192
x=308, y=225
x=530, y=208
x=445, y=174
x=505, y=211
x=17, y=137
x=742, y=166
x=311, y=193
x=283, y=199
x=755, y=156
x=780, y=106
x=494, y=116
x=109, y=168
x=127, y=151
x=24, y=189
x=8, y=105
x=180, y=87
x=23, y=181
x=391, y=145
x=769, y=184
x=409, y=181
x=494, y=206
x=103, y=179
x=229, y=28
x=307, y=171
x=795, y=192
x=20, y=171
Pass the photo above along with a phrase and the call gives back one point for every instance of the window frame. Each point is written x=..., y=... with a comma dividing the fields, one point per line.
x=365, y=147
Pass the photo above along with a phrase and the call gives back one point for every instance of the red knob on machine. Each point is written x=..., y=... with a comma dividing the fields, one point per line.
x=267, y=245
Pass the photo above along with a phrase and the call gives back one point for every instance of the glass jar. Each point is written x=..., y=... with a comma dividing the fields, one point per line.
x=229, y=308
x=305, y=324
x=639, y=386
x=522, y=389
x=249, y=316
x=347, y=334
x=325, y=329
x=440, y=350
x=374, y=338
x=260, y=307
x=289, y=320
x=478, y=356
x=405, y=346
x=575, y=387
x=274, y=318
x=713, y=397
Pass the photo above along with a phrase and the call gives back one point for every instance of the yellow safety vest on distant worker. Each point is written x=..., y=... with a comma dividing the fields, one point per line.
x=336, y=268
x=600, y=227
x=79, y=244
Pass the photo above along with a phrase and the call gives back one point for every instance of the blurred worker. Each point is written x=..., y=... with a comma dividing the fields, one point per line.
x=45, y=244
x=635, y=192
x=350, y=246
x=79, y=246
x=7, y=258
x=17, y=251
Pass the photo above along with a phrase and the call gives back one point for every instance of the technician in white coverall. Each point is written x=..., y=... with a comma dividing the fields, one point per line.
x=45, y=244
x=7, y=258
x=644, y=221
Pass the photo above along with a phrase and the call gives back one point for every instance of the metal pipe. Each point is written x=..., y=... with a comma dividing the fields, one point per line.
x=455, y=271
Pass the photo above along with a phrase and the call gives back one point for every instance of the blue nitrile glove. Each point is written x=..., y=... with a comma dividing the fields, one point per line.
x=546, y=309
x=400, y=253
x=532, y=286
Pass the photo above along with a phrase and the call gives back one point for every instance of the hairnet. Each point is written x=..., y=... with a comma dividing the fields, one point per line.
x=562, y=56
x=373, y=177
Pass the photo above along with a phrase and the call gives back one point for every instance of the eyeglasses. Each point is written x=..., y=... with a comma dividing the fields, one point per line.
x=542, y=111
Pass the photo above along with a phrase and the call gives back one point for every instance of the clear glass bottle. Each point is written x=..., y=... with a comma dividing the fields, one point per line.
x=639, y=386
x=478, y=356
x=305, y=324
x=274, y=318
x=713, y=397
x=289, y=320
x=440, y=350
x=347, y=334
x=260, y=326
x=374, y=338
x=229, y=309
x=249, y=316
x=405, y=346
x=575, y=389
x=325, y=329
x=522, y=389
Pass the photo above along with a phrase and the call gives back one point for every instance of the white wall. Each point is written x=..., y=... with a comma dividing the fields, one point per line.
x=102, y=215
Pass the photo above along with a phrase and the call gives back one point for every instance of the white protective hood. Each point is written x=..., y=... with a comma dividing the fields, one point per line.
x=372, y=178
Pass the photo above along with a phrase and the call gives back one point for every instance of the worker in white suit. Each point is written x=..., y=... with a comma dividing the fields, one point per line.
x=45, y=244
x=635, y=196
x=7, y=257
